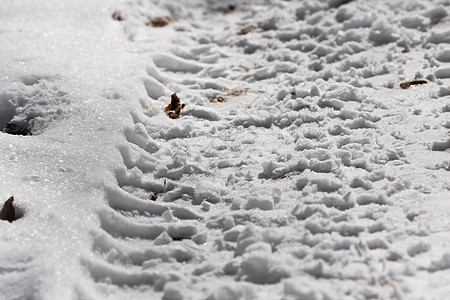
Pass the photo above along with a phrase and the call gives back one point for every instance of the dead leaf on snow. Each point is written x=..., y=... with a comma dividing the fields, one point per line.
x=117, y=15
x=407, y=84
x=173, y=110
x=218, y=98
x=287, y=175
x=248, y=29
x=246, y=69
x=229, y=9
x=159, y=22
x=8, y=212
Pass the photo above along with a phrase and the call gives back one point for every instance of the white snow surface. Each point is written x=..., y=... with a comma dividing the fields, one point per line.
x=317, y=177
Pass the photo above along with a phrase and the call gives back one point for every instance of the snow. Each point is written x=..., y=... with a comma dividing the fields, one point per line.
x=299, y=168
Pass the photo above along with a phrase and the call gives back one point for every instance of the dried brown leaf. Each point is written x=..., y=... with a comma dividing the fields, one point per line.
x=246, y=69
x=173, y=110
x=8, y=212
x=218, y=98
x=117, y=15
x=230, y=9
x=159, y=22
x=407, y=84
x=248, y=29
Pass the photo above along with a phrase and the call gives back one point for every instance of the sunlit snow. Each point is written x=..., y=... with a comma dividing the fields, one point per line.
x=299, y=168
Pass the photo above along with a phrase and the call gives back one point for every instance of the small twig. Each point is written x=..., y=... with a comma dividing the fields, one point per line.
x=290, y=174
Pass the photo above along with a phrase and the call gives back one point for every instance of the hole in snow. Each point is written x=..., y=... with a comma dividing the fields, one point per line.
x=7, y=109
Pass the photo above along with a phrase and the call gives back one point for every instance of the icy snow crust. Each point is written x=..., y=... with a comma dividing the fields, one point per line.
x=317, y=177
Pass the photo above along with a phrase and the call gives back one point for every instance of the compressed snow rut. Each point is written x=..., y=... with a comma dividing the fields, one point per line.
x=301, y=182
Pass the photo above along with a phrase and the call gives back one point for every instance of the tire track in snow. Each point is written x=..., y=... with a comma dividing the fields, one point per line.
x=302, y=179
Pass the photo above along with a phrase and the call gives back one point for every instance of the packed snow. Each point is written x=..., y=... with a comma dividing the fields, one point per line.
x=308, y=157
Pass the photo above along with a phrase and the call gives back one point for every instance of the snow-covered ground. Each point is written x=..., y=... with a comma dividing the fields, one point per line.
x=298, y=169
